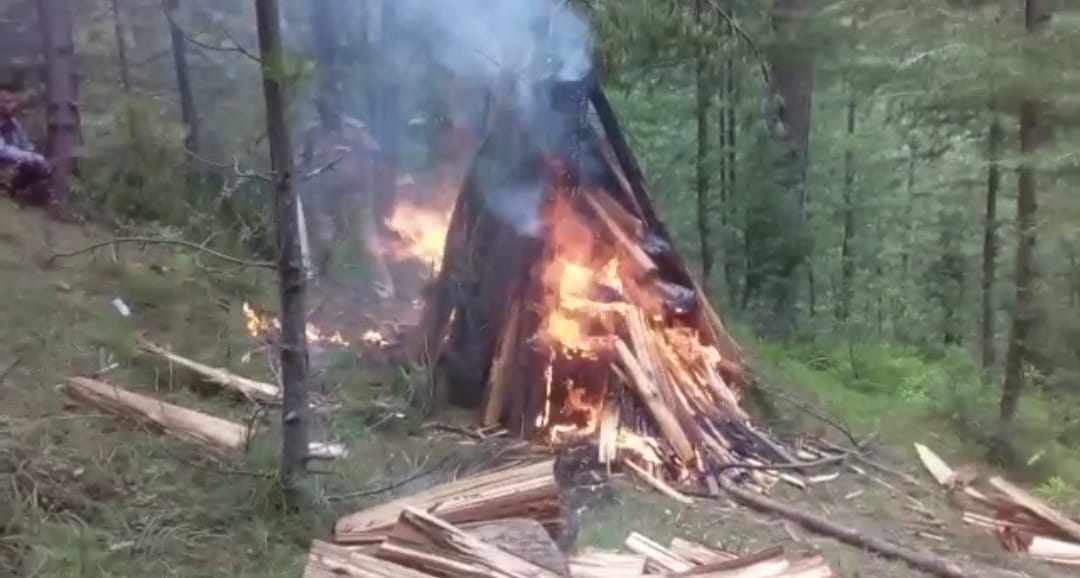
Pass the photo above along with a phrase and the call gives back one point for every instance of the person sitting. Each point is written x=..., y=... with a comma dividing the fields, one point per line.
x=25, y=172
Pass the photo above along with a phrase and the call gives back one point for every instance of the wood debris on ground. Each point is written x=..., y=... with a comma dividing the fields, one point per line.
x=499, y=524
x=214, y=433
x=1022, y=522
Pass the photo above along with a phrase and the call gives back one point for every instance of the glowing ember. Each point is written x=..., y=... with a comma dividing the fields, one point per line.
x=421, y=231
x=373, y=337
x=259, y=325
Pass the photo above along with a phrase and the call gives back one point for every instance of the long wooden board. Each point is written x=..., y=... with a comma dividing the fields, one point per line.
x=214, y=433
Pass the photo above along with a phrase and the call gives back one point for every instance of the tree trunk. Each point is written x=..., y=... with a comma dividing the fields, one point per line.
x=730, y=171
x=324, y=44
x=1037, y=14
x=289, y=264
x=847, y=242
x=791, y=87
x=61, y=94
x=121, y=48
x=183, y=82
x=702, y=180
x=989, y=253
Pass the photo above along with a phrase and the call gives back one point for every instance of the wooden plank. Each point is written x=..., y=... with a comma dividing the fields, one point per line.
x=653, y=400
x=249, y=388
x=644, y=266
x=331, y=561
x=211, y=432
x=605, y=564
x=658, y=484
x=1036, y=506
x=526, y=539
x=418, y=529
x=658, y=556
x=698, y=553
x=501, y=367
x=528, y=491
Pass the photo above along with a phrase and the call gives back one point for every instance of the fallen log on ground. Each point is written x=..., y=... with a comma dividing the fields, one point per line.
x=256, y=390
x=524, y=491
x=920, y=561
x=211, y=432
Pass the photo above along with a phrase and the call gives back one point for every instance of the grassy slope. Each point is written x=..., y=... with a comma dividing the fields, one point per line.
x=82, y=495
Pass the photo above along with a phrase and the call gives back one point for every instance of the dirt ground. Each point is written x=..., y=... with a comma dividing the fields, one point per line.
x=82, y=495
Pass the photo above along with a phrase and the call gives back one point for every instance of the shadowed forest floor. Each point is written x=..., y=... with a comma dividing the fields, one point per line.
x=83, y=495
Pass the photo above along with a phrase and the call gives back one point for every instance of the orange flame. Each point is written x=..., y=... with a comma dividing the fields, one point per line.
x=259, y=324
x=422, y=233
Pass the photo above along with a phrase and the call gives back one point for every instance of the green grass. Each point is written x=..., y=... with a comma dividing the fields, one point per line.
x=905, y=397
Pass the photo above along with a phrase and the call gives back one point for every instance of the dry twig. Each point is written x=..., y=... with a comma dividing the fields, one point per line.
x=159, y=241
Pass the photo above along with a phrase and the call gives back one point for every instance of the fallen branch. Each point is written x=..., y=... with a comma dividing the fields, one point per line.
x=159, y=241
x=249, y=388
x=920, y=561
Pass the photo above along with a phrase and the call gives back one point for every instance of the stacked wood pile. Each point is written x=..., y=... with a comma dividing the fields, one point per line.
x=654, y=360
x=1022, y=522
x=501, y=525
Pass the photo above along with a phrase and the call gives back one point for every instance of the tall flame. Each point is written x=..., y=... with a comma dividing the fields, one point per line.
x=422, y=232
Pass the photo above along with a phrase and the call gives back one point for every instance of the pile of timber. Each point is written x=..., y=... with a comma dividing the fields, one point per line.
x=502, y=524
x=1023, y=523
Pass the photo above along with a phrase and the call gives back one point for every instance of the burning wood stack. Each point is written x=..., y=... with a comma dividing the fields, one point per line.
x=564, y=312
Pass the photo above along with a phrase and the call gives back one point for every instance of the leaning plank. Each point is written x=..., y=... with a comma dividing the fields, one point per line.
x=256, y=390
x=659, y=557
x=528, y=491
x=605, y=564
x=330, y=561
x=698, y=553
x=925, y=562
x=416, y=529
x=1054, y=551
x=206, y=430
x=658, y=484
x=526, y=539
x=652, y=398
x=939, y=470
x=1037, y=507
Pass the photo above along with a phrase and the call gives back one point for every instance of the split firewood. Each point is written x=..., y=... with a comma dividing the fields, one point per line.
x=698, y=553
x=627, y=221
x=331, y=561
x=523, y=491
x=608, y=439
x=526, y=539
x=1037, y=507
x=657, y=484
x=643, y=265
x=447, y=549
x=214, y=433
x=651, y=397
x=659, y=557
x=256, y=390
x=495, y=394
x=604, y=564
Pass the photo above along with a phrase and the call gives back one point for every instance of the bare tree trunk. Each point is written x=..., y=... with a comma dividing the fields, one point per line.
x=792, y=92
x=702, y=180
x=121, y=48
x=324, y=42
x=847, y=242
x=1037, y=15
x=989, y=253
x=731, y=95
x=61, y=94
x=289, y=260
x=188, y=114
